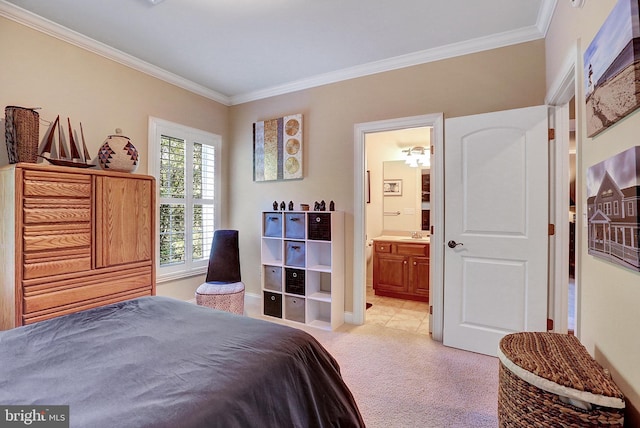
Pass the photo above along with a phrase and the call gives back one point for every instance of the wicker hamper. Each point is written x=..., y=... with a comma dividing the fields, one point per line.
x=22, y=136
x=550, y=380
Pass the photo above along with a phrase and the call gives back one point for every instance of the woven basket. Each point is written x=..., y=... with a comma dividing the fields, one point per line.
x=549, y=380
x=22, y=134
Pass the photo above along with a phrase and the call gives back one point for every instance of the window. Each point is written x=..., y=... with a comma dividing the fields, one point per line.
x=630, y=212
x=185, y=162
x=616, y=209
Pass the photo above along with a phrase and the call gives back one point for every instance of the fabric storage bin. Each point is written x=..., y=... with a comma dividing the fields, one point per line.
x=294, y=226
x=273, y=304
x=294, y=253
x=319, y=226
x=294, y=308
x=294, y=281
x=550, y=380
x=273, y=278
x=273, y=224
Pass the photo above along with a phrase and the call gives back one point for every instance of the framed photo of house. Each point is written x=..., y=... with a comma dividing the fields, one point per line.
x=392, y=187
x=612, y=68
x=613, y=204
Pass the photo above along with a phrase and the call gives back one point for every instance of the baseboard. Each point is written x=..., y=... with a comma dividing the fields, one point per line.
x=348, y=317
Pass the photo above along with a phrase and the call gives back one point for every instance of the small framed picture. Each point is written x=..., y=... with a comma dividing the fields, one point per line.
x=392, y=188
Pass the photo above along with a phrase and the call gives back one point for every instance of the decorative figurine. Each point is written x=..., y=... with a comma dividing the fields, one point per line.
x=275, y=205
x=290, y=205
x=282, y=206
x=332, y=206
x=323, y=206
x=316, y=206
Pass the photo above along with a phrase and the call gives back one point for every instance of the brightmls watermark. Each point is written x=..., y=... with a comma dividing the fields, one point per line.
x=34, y=416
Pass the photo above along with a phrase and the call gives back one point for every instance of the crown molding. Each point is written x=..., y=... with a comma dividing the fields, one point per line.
x=545, y=15
x=17, y=14
x=422, y=57
x=38, y=23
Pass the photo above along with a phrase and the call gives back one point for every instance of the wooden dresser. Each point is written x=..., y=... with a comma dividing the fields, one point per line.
x=72, y=239
x=401, y=269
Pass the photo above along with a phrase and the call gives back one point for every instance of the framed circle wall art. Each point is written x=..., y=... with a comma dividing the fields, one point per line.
x=277, y=149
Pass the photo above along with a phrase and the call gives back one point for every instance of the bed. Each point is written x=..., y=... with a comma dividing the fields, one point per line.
x=161, y=362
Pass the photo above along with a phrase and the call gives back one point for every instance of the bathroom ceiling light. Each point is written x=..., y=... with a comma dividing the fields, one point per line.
x=417, y=156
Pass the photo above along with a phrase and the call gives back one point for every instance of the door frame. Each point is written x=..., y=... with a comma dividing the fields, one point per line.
x=563, y=89
x=436, y=121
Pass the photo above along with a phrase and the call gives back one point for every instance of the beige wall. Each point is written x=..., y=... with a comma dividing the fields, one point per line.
x=41, y=71
x=38, y=70
x=609, y=295
x=494, y=80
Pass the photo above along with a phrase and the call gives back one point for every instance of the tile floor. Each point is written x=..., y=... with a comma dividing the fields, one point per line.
x=399, y=314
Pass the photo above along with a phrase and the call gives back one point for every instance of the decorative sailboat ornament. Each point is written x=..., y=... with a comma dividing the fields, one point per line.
x=77, y=160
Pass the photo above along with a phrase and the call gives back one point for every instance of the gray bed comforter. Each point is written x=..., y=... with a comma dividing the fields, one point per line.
x=160, y=362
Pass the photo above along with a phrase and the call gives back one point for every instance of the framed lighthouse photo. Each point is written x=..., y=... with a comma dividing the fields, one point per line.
x=612, y=68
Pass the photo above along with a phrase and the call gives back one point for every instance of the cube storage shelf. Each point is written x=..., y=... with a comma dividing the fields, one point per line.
x=302, y=256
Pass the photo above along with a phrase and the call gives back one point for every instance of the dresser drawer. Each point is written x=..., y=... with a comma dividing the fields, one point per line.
x=51, y=241
x=46, y=296
x=49, y=184
x=56, y=263
x=39, y=214
x=50, y=250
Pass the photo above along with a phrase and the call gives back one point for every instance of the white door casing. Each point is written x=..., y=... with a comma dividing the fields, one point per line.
x=496, y=209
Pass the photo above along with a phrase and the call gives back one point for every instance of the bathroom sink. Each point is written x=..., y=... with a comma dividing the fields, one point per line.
x=415, y=239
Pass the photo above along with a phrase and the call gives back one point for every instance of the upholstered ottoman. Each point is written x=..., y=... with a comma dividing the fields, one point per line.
x=550, y=380
x=225, y=297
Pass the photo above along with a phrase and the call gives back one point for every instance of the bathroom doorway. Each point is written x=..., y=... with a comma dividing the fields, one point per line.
x=564, y=300
x=397, y=158
x=364, y=191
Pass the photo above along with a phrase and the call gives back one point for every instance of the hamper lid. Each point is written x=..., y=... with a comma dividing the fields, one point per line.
x=559, y=364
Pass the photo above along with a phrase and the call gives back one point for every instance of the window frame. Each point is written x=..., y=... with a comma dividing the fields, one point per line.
x=157, y=128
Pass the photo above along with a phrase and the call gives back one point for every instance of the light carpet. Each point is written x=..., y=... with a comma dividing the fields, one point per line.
x=401, y=379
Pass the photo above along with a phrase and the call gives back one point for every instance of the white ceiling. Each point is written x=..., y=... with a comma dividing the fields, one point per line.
x=235, y=51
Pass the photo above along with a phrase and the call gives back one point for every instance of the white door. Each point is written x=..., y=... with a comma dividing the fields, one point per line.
x=496, y=217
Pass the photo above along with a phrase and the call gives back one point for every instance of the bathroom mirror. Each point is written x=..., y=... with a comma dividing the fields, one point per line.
x=403, y=196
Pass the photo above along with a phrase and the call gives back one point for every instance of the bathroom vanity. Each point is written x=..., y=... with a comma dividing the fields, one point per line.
x=401, y=267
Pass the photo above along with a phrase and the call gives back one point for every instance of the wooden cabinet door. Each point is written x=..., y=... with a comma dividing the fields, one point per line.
x=124, y=220
x=390, y=273
x=419, y=282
